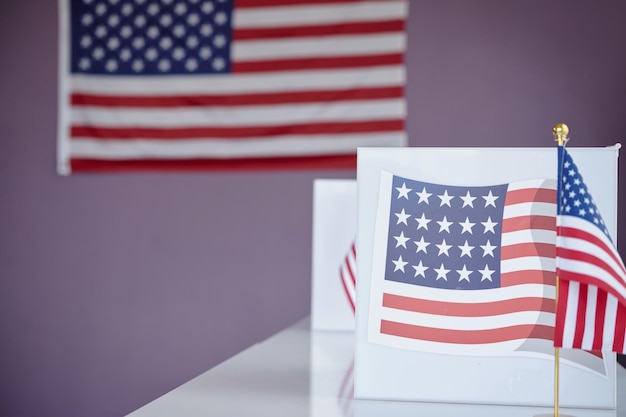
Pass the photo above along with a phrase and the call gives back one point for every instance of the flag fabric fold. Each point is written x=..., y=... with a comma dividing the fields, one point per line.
x=347, y=275
x=208, y=84
x=591, y=309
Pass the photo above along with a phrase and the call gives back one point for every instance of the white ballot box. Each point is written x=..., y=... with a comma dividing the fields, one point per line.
x=333, y=274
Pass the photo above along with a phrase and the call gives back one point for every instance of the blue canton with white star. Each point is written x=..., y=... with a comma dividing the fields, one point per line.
x=444, y=236
x=150, y=37
x=574, y=197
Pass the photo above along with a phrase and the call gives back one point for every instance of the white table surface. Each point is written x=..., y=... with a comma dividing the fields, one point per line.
x=299, y=372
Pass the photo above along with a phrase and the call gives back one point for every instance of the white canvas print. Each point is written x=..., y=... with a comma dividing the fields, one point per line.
x=333, y=291
x=457, y=277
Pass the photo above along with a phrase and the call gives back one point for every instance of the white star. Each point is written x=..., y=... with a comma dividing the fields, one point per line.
x=422, y=222
x=423, y=195
x=489, y=225
x=444, y=224
x=401, y=240
x=399, y=263
x=421, y=245
x=443, y=248
x=420, y=269
x=486, y=273
x=218, y=63
x=445, y=199
x=466, y=249
x=442, y=272
x=191, y=64
x=467, y=226
x=488, y=249
x=402, y=217
x=468, y=200
x=403, y=191
x=464, y=274
x=490, y=199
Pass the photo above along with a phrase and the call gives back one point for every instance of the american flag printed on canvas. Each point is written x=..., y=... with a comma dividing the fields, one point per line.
x=223, y=84
x=591, y=310
x=464, y=270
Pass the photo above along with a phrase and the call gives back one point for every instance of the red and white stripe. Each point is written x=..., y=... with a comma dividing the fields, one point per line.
x=592, y=288
x=347, y=274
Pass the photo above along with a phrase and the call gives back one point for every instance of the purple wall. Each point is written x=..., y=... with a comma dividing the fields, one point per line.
x=116, y=288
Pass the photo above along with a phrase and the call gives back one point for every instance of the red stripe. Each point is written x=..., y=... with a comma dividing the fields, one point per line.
x=591, y=238
x=319, y=30
x=620, y=329
x=212, y=165
x=514, y=224
x=581, y=319
x=531, y=195
x=591, y=259
x=271, y=3
x=561, y=309
x=106, y=133
x=589, y=280
x=519, y=250
x=509, y=279
x=599, y=320
x=484, y=309
x=352, y=274
x=316, y=63
x=320, y=96
x=466, y=336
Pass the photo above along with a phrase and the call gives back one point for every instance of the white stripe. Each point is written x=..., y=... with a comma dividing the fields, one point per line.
x=529, y=209
x=590, y=317
x=240, y=116
x=268, y=17
x=610, y=320
x=274, y=82
x=529, y=263
x=532, y=184
x=328, y=46
x=571, y=310
x=529, y=236
x=581, y=267
x=581, y=224
x=491, y=349
x=589, y=248
x=447, y=322
x=470, y=297
x=252, y=147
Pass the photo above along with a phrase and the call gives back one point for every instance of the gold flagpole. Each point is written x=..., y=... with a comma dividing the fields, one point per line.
x=560, y=132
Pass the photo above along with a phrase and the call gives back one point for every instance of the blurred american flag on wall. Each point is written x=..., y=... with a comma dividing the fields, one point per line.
x=218, y=84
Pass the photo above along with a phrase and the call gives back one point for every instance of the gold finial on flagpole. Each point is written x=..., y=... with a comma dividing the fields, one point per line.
x=560, y=132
